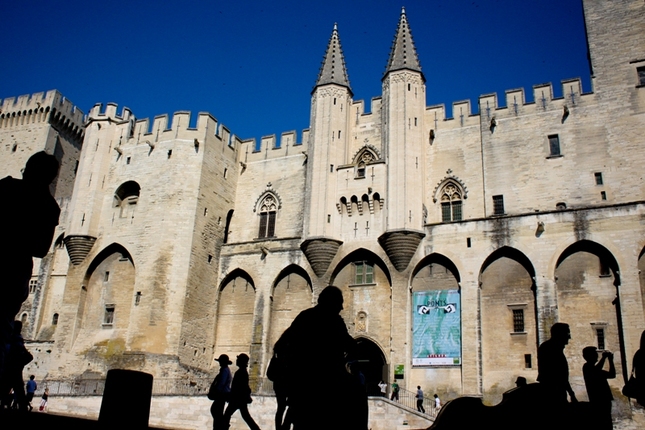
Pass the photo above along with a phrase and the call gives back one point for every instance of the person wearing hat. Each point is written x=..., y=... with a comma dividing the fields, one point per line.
x=220, y=391
x=240, y=395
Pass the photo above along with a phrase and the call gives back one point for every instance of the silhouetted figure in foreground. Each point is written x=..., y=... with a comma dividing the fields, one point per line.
x=277, y=373
x=553, y=368
x=29, y=216
x=520, y=382
x=240, y=395
x=321, y=392
x=638, y=370
x=16, y=360
x=597, y=386
x=220, y=391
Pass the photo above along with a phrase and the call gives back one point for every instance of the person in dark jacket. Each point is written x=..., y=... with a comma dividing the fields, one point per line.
x=240, y=395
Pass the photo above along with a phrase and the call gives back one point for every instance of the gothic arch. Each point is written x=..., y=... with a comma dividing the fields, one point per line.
x=236, y=273
x=604, y=255
x=235, y=314
x=439, y=259
x=367, y=154
x=360, y=254
x=587, y=287
x=372, y=363
x=445, y=183
x=291, y=293
x=106, y=252
x=269, y=200
x=508, y=319
x=295, y=269
x=107, y=290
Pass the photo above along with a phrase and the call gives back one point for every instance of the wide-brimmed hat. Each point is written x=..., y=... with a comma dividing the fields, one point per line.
x=223, y=359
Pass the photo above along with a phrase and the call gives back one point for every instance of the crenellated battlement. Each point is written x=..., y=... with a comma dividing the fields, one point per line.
x=271, y=147
x=164, y=127
x=109, y=111
x=41, y=107
x=31, y=103
x=515, y=102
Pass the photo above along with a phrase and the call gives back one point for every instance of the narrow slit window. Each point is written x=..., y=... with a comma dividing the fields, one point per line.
x=554, y=145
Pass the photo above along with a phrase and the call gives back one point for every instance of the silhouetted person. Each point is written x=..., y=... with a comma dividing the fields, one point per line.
x=28, y=217
x=16, y=359
x=419, y=398
x=220, y=391
x=240, y=395
x=520, y=382
x=277, y=373
x=638, y=369
x=553, y=369
x=315, y=348
x=597, y=386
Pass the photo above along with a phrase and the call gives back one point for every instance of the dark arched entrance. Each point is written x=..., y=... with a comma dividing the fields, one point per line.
x=371, y=362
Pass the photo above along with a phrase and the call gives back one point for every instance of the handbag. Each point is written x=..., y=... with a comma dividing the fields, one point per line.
x=631, y=388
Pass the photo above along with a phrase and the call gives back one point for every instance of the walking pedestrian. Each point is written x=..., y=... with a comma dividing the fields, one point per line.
x=240, y=395
x=220, y=390
x=31, y=390
x=395, y=391
x=419, y=397
x=43, y=401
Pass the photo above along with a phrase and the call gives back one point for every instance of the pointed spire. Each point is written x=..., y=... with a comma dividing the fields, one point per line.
x=333, y=69
x=403, y=54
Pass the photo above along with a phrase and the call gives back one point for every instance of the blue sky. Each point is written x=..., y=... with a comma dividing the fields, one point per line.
x=252, y=64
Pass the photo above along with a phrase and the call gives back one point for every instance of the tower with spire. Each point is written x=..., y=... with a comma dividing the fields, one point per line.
x=330, y=102
x=403, y=131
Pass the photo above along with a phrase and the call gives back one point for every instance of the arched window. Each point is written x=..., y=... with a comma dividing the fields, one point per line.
x=451, y=197
x=127, y=193
x=125, y=197
x=55, y=319
x=268, y=210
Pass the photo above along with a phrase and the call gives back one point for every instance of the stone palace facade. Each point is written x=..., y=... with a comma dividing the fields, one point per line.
x=457, y=241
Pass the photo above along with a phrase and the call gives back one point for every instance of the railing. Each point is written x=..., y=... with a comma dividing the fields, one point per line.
x=160, y=387
x=408, y=399
x=198, y=387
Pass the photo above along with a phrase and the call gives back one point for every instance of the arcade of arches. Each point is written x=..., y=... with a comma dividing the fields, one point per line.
x=516, y=307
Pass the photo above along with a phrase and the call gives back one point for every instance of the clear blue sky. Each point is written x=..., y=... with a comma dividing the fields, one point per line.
x=252, y=64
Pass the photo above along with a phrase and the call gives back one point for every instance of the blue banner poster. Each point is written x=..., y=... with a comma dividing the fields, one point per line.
x=436, y=337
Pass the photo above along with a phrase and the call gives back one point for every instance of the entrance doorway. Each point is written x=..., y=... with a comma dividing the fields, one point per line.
x=371, y=362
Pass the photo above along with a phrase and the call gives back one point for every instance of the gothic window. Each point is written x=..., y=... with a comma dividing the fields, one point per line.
x=268, y=210
x=451, y=197
x=364, y=273
x=362, y=159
